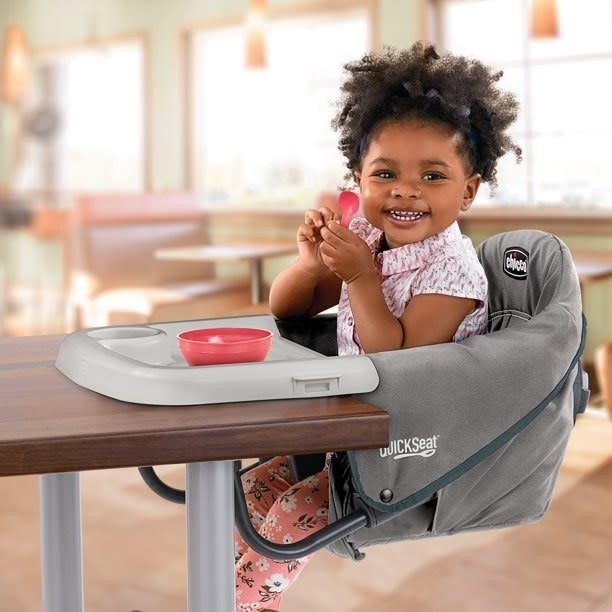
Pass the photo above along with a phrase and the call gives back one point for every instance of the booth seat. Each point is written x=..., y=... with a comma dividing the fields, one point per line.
x=114, y=277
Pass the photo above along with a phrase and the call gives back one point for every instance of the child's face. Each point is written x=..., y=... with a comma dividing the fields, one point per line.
x=413, y=180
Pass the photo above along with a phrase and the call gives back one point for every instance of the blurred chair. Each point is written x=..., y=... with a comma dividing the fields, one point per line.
x=2, y=297
x=113, y=275
x=603, y=368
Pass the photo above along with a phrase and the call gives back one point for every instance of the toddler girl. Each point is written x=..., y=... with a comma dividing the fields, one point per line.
x=419, y=132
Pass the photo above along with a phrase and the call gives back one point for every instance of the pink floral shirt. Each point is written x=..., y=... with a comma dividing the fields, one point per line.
x=445, y=263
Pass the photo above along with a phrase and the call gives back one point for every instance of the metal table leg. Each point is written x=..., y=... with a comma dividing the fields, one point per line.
x=256, y=272
x=61, y=548
x=210, y=540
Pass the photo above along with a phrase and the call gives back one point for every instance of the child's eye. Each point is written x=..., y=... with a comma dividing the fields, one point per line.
x=383, y=174
x=433, y=176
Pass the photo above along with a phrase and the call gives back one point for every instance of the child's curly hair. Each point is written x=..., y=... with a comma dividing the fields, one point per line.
x=453, y=90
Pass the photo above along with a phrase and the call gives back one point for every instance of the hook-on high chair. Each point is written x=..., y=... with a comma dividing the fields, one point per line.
x=478, y=428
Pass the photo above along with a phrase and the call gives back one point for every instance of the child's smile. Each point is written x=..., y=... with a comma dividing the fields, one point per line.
x=414, y=181
x=406, y=216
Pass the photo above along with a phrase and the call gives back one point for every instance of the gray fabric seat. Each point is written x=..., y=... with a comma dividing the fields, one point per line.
x=479, y=428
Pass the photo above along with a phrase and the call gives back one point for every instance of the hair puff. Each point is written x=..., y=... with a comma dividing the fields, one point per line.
x=460, y=92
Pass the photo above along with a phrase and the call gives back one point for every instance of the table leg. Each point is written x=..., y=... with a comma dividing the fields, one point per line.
x=256, y=272
x=3, y=298
x=210, y=537
x=61, y=548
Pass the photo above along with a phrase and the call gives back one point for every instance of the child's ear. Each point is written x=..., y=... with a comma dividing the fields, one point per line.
x=357, y=177
x=470, y=191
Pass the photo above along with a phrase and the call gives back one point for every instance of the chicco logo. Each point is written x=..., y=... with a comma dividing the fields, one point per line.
x=516, y=261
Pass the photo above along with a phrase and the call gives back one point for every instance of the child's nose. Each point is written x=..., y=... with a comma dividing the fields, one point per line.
x=405, y=189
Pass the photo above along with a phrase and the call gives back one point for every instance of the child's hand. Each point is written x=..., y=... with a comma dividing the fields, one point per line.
x=309, y=235
x=345, y=253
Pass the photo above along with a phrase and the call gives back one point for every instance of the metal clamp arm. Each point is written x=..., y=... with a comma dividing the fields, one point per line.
x=287, y=552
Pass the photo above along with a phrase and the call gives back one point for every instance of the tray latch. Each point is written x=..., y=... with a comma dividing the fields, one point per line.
x=306, y=385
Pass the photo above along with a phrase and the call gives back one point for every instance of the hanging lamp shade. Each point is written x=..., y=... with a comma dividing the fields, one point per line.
x=255, y=39
x=14, y=66
x=544, y=21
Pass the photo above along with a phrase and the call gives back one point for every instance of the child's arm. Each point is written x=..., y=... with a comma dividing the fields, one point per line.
x=307, y=286
x=434, y=318
x=299, y=291
x=428, y=319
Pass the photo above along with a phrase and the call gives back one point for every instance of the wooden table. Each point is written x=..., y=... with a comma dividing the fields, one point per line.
x=592, y=267
x=253, y=253
x=52, y=427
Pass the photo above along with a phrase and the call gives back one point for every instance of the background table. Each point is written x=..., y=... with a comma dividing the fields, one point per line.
x=51, y=426
x=592, y=267
x=253, y=253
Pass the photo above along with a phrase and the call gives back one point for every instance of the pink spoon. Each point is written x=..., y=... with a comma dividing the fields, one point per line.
x=349, y=204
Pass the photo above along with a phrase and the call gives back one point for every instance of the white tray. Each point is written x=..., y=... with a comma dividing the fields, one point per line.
x=142, y=364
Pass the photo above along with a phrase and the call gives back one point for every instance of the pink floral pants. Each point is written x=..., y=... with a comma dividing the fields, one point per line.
x=283, y=511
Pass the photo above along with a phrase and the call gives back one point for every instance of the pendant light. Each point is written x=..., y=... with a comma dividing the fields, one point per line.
x=255, y=41
x=544, y=21
x=14, y=66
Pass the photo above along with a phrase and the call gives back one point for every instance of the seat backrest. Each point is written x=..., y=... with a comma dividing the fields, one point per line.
x=528, y=271
x=113, y=238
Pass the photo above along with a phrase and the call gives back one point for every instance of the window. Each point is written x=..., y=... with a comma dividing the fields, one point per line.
x=565, y=126
x=263, y=137
x=84, y=120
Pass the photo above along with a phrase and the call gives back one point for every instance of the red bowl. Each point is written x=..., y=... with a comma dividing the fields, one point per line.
x=218, y=345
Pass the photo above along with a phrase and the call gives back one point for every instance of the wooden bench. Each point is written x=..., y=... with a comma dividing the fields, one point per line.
x=114, y=277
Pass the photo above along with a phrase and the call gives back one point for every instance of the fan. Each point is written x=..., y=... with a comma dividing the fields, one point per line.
x=42, y=123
